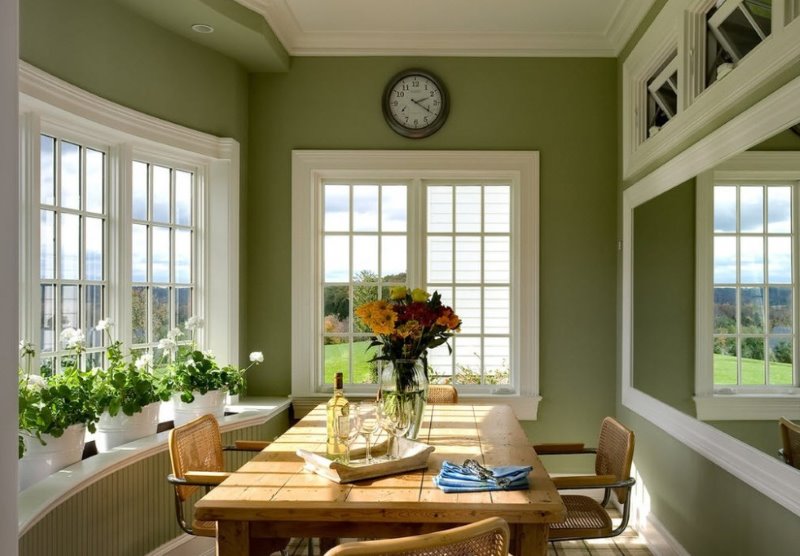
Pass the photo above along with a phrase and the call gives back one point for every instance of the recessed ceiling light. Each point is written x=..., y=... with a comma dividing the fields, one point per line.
x=202, y=28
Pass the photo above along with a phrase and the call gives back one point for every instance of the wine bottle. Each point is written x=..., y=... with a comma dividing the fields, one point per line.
x=337, y=407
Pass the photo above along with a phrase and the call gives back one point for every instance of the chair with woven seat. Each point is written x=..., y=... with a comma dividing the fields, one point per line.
x=195, y=451
x=790, y=437
x=489, y=537
x=586, y=518
x=442, y=394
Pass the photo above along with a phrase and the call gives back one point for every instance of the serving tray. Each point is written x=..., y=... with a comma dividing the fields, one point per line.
x=414, y=455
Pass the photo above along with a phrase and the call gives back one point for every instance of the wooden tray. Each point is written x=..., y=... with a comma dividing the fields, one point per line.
x=414, y=455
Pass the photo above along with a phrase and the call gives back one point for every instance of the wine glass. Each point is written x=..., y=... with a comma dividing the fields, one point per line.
x=395, y=420
x=368, y=417
x=347, y=428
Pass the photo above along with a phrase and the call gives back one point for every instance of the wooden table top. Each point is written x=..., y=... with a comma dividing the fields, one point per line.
x=274, y=486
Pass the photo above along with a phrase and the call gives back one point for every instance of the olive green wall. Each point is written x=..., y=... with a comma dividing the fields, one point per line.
x=707, y=510
x=564, y=108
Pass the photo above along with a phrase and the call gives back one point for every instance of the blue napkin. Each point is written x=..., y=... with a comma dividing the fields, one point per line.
x=473, y=477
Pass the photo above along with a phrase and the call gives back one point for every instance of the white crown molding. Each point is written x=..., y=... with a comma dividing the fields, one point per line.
x=606, y=43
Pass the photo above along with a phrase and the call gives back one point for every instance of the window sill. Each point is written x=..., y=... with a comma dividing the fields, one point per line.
x=747, y=407
x=526, y=408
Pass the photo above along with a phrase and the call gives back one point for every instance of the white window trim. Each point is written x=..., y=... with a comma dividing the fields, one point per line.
x=52, y=103
x=716, y=404
x=684, y=21
x=310, y=168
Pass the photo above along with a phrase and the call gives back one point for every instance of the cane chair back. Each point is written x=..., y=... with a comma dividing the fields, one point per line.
x=442, y=394
x=488, y=537
x=790, y=437
x=615, y=454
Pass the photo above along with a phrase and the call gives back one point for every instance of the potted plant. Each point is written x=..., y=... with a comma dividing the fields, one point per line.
x=54, y=413
x=128, y=395
x=199, y=384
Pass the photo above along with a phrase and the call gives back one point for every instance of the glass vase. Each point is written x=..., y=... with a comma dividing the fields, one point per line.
x=404, y=382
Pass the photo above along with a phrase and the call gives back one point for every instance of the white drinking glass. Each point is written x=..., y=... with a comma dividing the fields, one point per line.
x=368, y=415
x=395, y=420
x=347, y=428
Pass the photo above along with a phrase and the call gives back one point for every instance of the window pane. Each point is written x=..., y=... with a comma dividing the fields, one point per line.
x=139, y=253
x=337, y=259
x=337, y=208
x=497, y=260
x=497, y=209
x=183, y=256
x=70, y=246
x=70, y=176
x=70, y=304
x=725, y=361
x=440, y=208
x=780, y=260
x=47, y=170
x=468, y=358
x=496, y=360
x=739, y=31
x=365, y=258
x=440, y=259
x=161, y=194
x=393, y=258
x=753, y=364
x=440, y=365
x=139, y=314
x=47, y=324
x=93, y=301
x=724, y=310
x=183, y=306
x=497, y=310
x=94, y=249
x=752, y=311
x=393, y=208
x=161, y=261
x=468, y=301
x=724, y=208
x=47, y=244
x=780, y=311
x=468, y=259
x=183, y=198
x=139, y=191
x=161, y=323
x=779, y=202
x=336, y=356
x=337, y=308
x=780, y=361
x=752, y=257
x=468, y=208
x=365, y=208
x=752, y=207
x=95, y=178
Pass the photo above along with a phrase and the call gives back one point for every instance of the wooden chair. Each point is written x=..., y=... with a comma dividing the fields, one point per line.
x=442, y=394
x=790, y=436
x=488, y=537
x=195, y=451
x=586, y=518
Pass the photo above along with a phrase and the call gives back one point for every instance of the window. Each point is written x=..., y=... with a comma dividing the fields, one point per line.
x=662, y=97
x=72, y=247
x=464, y=224
x=116, y=206
x=735, y=27
x=747, y=257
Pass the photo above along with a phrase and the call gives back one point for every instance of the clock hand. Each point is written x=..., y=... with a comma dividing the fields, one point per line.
x=419, y=103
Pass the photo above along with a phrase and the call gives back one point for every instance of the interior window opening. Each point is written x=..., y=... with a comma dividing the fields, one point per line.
x=662, y=96
x=734, y=28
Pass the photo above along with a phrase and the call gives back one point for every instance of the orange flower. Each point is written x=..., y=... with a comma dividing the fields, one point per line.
x=410, y=328
x=448, y=319
x=378, y=316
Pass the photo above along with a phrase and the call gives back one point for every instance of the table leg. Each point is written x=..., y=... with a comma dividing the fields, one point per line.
x=528, y=539
x=233, y=538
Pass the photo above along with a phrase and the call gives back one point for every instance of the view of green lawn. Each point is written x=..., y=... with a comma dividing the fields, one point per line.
x=752, y=371
x=337, y=356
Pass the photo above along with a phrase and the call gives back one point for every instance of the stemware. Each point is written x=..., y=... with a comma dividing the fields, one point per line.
x=347, y=428
x=395, y=420
x=368, y=416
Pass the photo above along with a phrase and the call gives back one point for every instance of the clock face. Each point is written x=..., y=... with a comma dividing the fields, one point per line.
x=415, y=104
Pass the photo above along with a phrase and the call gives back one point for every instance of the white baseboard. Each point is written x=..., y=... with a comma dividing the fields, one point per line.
x=659, y=541
x=186, y=545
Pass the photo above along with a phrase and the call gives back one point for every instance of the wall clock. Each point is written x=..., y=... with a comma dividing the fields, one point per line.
x=415, y=104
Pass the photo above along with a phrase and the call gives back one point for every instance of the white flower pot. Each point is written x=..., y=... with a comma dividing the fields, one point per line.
x=121, y=429
x=212, y=402
x=232, y=399
x=40, y=461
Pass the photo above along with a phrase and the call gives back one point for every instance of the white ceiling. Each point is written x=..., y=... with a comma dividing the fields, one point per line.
x=452, y=27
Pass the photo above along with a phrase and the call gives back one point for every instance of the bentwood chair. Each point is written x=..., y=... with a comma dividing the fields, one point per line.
x=790, y=436
x=442, y=394
x=488, y=537
x=586, y=518
x=195, y=451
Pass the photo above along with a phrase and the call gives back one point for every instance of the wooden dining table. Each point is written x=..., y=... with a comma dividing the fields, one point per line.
x=275, y=496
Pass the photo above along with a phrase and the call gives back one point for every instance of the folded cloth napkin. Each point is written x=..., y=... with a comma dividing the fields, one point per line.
x=473, y=477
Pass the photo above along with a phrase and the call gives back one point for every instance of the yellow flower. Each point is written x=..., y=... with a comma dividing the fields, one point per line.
x=397, y=293
x=419, y=295
x=378, y=316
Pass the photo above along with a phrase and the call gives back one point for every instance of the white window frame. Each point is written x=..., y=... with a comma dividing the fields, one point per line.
x=737, y=403
x=311, y=168
x=48, y=104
